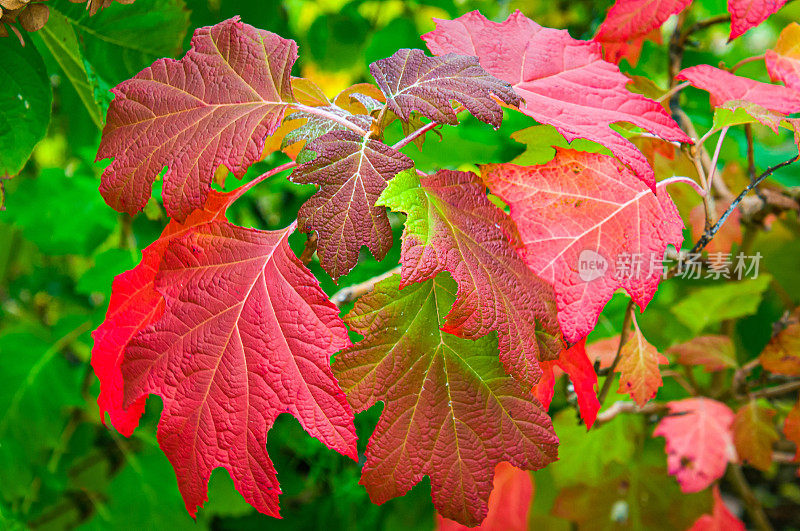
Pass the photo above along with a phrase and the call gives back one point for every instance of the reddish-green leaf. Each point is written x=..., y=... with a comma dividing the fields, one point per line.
x=747, y=14
x=699, y=441
x=589, y=227
x=724, y=86
x=452, y=226
x=451, y=412
x=720, y=519
x=783, y=61
x=639, y=375
x=352, y=172
x=246, y=334
x=782, y=353
x=215, y=106
x=564, y=82
x=714, y=353
x=754, y=434
x=509, y=503
x=412, y=81
x=134, y=304
x=791, y=429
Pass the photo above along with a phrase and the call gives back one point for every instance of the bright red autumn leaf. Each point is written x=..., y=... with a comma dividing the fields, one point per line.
x=564, y=82
x=747, y=14
x=575, y=362
x=213, y=107
x=589, y=227
x=509, y=503
x=783, y=61
x=699, y=441
x=452, y=226
x=413, y=81
x=246, y=334
x=450, y=410
x=629, y=19
x=351, y=171
x=134, y=304
x=639, y=375
x=724, y=86
x=754, y=434
x=714, y=353
x=720, y=518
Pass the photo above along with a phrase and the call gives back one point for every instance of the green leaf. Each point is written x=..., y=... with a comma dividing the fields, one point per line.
x=739, y=112
x=59, y=37
x=714, y=304
x=121, y=40
x=25, y=103
x=60, y=214
x=540, y=141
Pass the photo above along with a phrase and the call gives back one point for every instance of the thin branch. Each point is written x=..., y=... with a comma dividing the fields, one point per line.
x=422, y=130
x=623, y=338
x=743, y=62
x=751, y=503
x=618, y=408
x=674, y=90
x=685, y=180
x=709, y=234
x=778, y=390
x=351, y=293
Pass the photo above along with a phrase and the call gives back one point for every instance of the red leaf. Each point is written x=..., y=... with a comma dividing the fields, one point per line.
x=720, y=519
x=450, y=410
x=586, y=207
x=246, y=335
x=352, y=172
x=724, y=86
x=754, y=434
x=134, y=304
x=575, y=362
x=564, y=82
x=509, y=503
x=699, y=441
x=714, y=353
x=783, y=62
x=639, y=375
x=412, y=81
x=747, y=14
x=791, y=429
x=629, y=19
x=452, y=226
x=215, y=106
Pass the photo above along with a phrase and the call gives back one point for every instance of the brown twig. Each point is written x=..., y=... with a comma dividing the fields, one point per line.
x=751, y=503
x=618, y=408
x=310, y=248
x=351, y=293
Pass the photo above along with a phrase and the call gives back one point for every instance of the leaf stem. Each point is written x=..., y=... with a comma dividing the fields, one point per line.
x=351, y=293
x=709, y=233
x=239, y=192
x=421, y=131
x=674, y=90
x=330, y=116
x=681, y=179
x=743, y=62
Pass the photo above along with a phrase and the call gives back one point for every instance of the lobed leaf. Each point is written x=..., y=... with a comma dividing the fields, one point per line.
x=639, y=375
x=215, y=106
x=452, y=226
x=783, y=61
x=351, y=171
x=719, y=519
x=564, y=82
x=754, y=434
x=246, y=334
x=413, y=81
x=747, y=14
x=588, y=207
x=714, y=353
x=451, y=412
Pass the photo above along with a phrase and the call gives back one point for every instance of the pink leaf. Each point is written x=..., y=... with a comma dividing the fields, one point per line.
x=699, y=441
x=629, y=19
x=747, y=14
x=783, y=61
x=724, y=86
x=564, y=82
x=246, y=335
x=588, y=207
x=720, y=519
x=215, y=106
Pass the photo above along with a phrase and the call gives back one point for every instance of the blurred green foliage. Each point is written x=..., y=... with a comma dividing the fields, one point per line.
x=61, y=246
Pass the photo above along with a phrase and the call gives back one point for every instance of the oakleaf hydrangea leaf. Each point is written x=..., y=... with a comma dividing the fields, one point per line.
x=214, y=106
x=451, y=412
x=352, y=172
x=564, y=82
x=246, y=334
x=413, y=81
x=452, y=226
